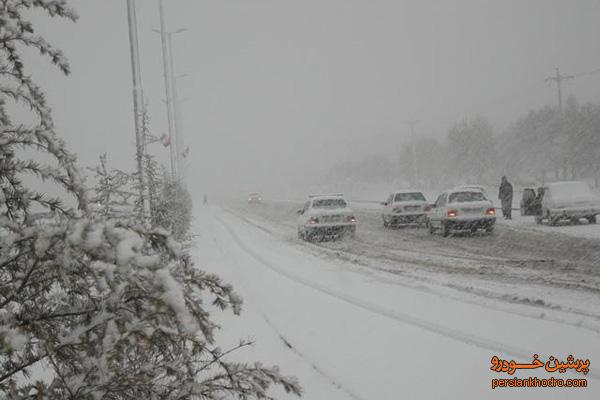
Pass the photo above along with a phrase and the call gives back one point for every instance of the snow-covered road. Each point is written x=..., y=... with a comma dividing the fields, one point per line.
x=349, y=331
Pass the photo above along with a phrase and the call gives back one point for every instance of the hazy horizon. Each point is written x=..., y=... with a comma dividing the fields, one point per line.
x=277, y=92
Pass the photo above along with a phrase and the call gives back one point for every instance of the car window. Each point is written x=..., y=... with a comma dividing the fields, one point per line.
x=462, y=197
x=329, y=203
x=415, y=196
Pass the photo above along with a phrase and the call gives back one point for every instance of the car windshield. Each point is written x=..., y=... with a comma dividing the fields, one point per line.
x=462, y=197
x=414, y=196
x=329, y=203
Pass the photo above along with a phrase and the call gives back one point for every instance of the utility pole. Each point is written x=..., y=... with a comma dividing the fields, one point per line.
x=176, y=109
x=138, y=100
x=558, y=78
x=411, y=123
x=168, y=91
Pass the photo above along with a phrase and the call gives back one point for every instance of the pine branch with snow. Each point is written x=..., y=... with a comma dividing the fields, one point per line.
x=108, y=308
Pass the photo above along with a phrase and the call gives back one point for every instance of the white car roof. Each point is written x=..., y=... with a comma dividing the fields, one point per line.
x=325, y=196
x=464, y=189
x=475, y=187
x=407, y=191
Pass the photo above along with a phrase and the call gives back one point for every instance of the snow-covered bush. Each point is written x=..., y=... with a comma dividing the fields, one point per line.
x=173, y=208
x=105, y=308
x=114, y=312
x=113, y=192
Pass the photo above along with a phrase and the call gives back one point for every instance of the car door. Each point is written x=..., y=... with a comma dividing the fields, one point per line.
x=528, y=202
x=387, y=209
x=303, y=214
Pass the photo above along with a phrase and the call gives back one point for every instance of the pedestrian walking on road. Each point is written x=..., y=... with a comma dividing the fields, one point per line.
x=505, y=194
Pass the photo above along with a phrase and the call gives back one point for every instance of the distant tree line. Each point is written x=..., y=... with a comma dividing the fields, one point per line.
x=540, y=146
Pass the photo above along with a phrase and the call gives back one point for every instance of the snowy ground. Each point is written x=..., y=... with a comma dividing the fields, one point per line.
x=582, y=230
x=398, y=314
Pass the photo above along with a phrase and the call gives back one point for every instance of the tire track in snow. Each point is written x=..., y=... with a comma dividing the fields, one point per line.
x=314, y=366
x=356, y=257
x=454, y=334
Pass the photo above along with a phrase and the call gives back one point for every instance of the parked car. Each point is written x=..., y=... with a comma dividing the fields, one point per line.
x=325, y=216
x=404, y=207
x=570, y=200
x=462, y=210
x=254, y=198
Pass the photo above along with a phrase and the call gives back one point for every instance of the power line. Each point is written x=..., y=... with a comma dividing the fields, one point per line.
x=558, y=78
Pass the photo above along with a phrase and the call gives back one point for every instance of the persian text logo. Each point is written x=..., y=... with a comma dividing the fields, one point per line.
x=552, y=365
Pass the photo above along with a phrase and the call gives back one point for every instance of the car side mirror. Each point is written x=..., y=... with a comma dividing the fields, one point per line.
x=384, y=203
x=300, y=211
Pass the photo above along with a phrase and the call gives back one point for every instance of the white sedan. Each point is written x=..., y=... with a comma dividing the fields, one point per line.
x=462, y=210
x=404, y=207
x=325, y=216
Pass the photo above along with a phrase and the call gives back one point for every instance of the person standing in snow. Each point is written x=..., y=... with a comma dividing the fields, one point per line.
x=505, y=194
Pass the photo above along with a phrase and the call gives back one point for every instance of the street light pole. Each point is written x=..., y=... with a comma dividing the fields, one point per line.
x=138, y=99
x=176, y=106
x=168, y=91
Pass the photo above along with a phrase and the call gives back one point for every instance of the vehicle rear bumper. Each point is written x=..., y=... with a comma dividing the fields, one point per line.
x=330, y=229
x=408, y=218
x=470, y=223
x=574, y=212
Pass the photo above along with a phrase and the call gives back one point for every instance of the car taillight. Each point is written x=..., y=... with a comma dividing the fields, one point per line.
x=491, y=211
x=452, y=213
x=313, y=220
x=351, y=218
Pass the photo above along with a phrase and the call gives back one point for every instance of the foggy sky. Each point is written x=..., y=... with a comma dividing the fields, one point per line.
x=277, y=91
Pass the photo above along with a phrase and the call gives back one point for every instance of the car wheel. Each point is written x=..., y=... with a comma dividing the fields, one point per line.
x=551, y=221
x=385, y=223
x=300, y=234
x=538, y=219
x=431, y=228
x=591, y=219
x=445, y=229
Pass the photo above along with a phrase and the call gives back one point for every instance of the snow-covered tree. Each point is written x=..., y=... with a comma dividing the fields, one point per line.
x=106, y=308
x=173, y=208
x=471, y=150
x=113, y=194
